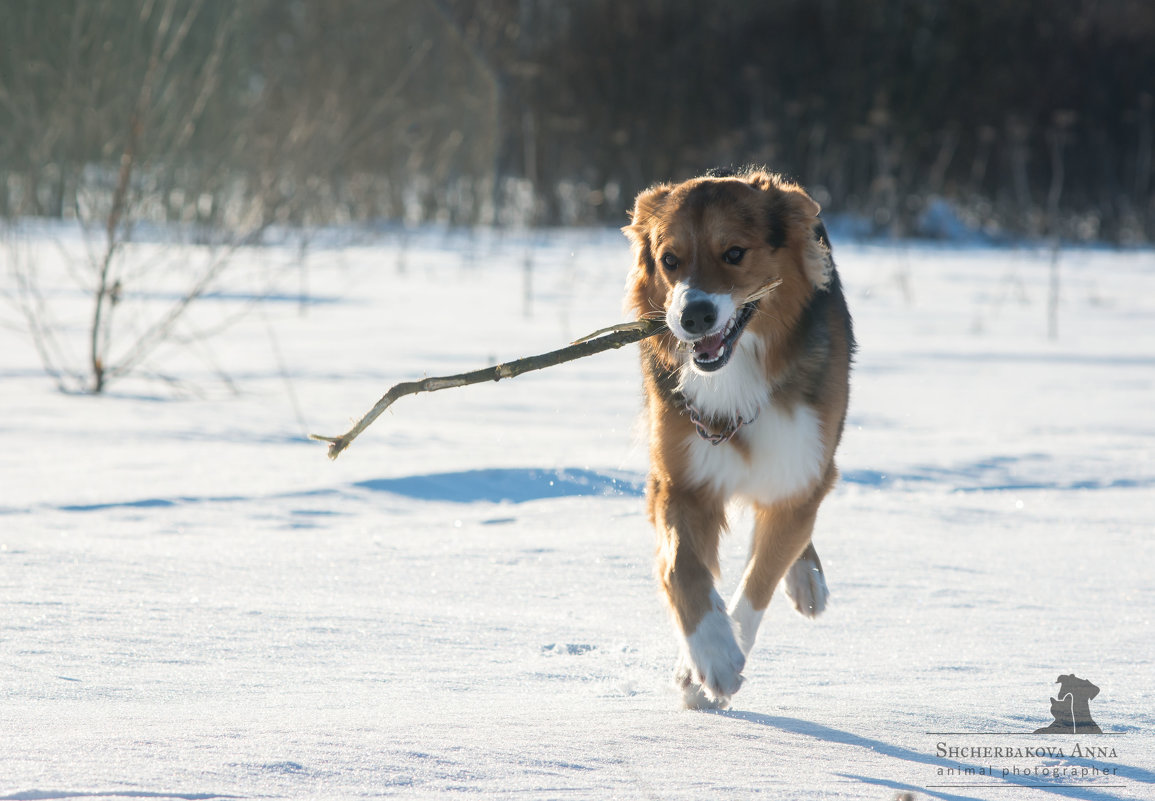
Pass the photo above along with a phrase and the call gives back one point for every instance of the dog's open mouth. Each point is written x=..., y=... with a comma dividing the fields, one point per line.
x=713, y=351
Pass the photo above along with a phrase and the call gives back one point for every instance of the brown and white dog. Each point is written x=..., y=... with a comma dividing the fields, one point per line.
x=746, y=400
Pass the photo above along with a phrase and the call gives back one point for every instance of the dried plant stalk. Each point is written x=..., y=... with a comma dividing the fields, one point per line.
x=762, y=291
x=605, y=339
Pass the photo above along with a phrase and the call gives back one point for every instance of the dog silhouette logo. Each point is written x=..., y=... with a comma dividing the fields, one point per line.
x=1072, y=708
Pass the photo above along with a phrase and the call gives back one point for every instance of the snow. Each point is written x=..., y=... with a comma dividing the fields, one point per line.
x=196, y=603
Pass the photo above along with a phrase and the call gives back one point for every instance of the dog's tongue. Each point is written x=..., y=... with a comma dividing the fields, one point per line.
x=708, y=347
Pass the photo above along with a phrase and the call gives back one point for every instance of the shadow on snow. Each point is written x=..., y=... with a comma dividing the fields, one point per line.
x=494, y=485
x=523, y=484
x=1085, y=791
x=1031, y=471
x=511, y=485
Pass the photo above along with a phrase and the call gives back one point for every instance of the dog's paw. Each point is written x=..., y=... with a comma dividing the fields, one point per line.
x=693, y=696
x=806, y=588
x=712, y=662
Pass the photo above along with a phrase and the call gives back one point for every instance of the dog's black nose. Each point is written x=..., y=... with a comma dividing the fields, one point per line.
x=699, y=316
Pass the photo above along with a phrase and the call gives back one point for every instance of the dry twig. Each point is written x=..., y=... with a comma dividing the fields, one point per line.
x=607, y=338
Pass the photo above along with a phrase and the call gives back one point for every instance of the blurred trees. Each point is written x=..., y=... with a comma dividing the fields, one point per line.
x=556, y=111
x=304, y=111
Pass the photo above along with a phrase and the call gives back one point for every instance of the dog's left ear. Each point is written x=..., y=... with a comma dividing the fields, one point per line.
x=817, y=262
x=792, y=221
x=806, y=204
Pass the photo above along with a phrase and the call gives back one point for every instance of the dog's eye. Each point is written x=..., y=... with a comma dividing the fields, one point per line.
x=670, y=261
x=733, y=255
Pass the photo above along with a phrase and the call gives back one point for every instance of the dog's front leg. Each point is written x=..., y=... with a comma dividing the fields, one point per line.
x=689, y=523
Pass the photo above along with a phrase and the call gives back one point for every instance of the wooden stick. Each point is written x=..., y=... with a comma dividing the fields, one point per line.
x=613, y=337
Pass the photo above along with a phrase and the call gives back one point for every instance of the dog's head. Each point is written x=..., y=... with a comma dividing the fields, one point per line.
x=703, y=247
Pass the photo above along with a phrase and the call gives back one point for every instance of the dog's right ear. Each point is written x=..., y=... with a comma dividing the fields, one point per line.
x=646, y=209
x=645, y=293
x=646, y=205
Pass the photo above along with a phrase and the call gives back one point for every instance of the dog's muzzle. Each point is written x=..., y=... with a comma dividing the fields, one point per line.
x=709, y=323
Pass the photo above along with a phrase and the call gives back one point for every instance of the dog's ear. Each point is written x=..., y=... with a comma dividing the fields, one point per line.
x=646, y=209
x=644, y=294
x=817, y=262
x=647, y=205
x=792, y=221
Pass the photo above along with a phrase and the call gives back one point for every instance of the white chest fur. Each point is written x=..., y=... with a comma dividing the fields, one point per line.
x=738, y=389
x=784, y=453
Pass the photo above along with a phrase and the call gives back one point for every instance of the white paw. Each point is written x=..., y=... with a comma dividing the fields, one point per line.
x=805, y=586
x=711, y=662
x=693, y=696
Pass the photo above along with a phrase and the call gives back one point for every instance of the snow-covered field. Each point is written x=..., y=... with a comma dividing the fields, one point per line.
x=195, y=603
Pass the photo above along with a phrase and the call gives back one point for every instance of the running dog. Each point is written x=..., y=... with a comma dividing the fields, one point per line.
x=746, y=396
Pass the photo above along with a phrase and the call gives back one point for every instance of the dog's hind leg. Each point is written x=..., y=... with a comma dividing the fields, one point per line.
x=805, y=584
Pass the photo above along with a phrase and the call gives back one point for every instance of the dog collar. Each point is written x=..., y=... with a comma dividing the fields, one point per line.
x=715, y=437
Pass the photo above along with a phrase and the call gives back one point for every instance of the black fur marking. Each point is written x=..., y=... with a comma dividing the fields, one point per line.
x=821, y=236
x=706, y=194
x=814, y=331
x=775, y=224
x=647, y=258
